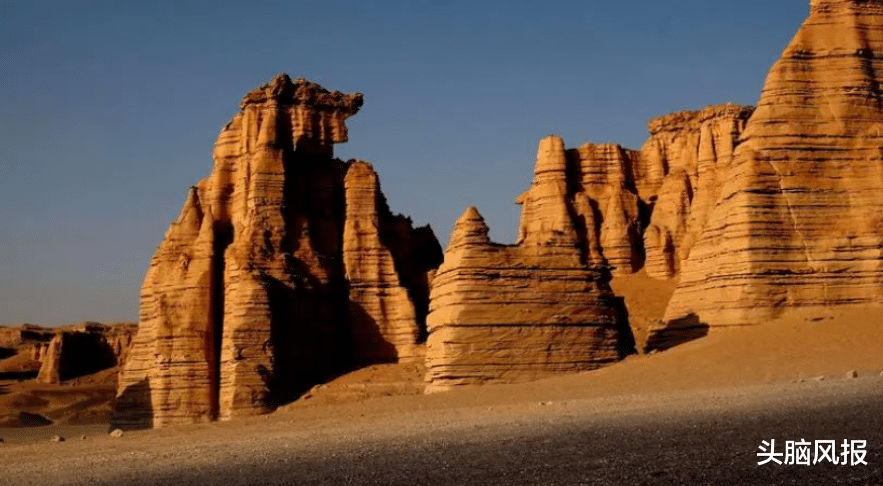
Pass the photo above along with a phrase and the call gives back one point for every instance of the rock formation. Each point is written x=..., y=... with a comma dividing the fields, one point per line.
x=83, y=350
x=384, y=300
x=280, y=272
x=797, y=220
x=53, y=355
x=677, y=176
x=506, y=314
x=606, y=205
x=644, y=209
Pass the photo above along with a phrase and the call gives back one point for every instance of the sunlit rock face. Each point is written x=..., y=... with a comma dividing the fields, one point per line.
x=679, y=177
x=506, y=314
x=284, y=268
x=798, y=215
x=642, y=209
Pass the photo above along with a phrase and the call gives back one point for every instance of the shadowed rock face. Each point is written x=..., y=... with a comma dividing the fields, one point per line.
x=798, y=214
x=504, y=314
x=385, y=292
x=73, y=354
x=268, y=282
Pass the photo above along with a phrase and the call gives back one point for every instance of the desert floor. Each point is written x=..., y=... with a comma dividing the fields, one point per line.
x=696, y=413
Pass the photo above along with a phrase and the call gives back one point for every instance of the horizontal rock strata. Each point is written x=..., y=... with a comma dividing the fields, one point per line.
x=284, y=269
x=382, y=308
x=644, y=209
x=679, y=178
x=504, y=314
x=798, y=215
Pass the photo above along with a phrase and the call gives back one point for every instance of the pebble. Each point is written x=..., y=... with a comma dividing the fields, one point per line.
x=852, y=374
x=57, y=438
x=117, y=433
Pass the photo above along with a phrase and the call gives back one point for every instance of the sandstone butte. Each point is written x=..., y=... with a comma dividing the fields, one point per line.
x=755, y=211
x=544, y=305
x=284, y=269
x=798, y=217
x=516, y=313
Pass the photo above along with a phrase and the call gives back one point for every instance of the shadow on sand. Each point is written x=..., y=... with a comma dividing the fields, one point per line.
x=18, y=375
x=676, y=332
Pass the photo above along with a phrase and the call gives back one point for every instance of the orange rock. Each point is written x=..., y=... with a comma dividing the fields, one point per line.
x=81, y=350
x=602, y=176
x=504, y=314
x=383, y=319
x=677, y=177
x=797, y=218
x=278, y=262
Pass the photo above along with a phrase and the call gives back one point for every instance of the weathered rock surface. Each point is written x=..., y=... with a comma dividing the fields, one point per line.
x=52, y=355
x=606, y=205
x=382, y=298
x=643, y=209
x=284, y=269
x=798, y=214
x=504, y=314
x=690, y=150
x=83, y=350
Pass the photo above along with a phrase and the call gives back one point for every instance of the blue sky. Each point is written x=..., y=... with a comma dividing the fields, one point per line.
x=110, y=109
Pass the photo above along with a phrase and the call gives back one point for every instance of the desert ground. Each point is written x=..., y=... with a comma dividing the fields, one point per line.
x=696, y=413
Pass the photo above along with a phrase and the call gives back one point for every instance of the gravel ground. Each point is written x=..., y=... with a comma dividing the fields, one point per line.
x=703, y=437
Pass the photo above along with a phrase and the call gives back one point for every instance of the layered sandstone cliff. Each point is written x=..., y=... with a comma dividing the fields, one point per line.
x=279, y=272
x=798, y=215
x=387, y=295
x=504, y=314
x=679, y=176
x=606, y=205
x=643, y=209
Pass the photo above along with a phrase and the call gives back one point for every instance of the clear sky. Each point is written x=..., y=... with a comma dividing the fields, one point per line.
x=109, y=110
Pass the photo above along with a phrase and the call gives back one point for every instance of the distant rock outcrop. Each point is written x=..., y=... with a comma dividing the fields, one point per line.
x=53, y=355
x=279, y=273
x=798, y=214
x=504, y=314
